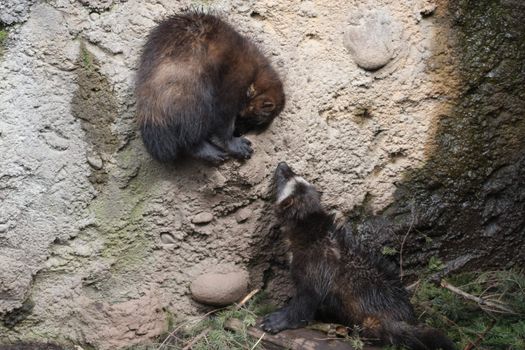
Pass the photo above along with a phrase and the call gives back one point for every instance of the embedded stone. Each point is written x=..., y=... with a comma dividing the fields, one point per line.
x=202, y=218
x=369, y=39
x=95, y=161
x=97, y=5
x=220, y=289
x=167, y=238
x=242, y=215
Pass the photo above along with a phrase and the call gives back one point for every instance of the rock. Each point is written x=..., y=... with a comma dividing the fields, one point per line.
x=428, y=10
x=242, y=215
x=308, y=9
x=202, y=218
x=117, y=325
x=14, y=11
x=369, y=40
x=220, y=289
x=95, y=161
x=15, y=282
x=167, y=238
x=97, y=5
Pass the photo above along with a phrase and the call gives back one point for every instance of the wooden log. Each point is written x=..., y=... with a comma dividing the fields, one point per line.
x=294, y=339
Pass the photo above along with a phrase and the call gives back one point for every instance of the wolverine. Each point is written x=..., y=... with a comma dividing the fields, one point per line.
x=337, y=279
x=200, y=86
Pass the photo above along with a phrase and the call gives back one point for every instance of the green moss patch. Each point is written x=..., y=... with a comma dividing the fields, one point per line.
x=465, y=321
x=3, y=39
x=95, y=105
x=466, y=202
x=209, y=333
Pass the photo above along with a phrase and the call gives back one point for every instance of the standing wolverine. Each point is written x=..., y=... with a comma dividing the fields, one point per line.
x=336, y=279
x=200, y=82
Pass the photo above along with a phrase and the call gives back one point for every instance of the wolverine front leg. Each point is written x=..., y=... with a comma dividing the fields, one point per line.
x=297, y=313
x=209, y=152
x=237, y=147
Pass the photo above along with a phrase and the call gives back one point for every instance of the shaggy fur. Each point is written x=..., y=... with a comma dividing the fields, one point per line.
x=338, y=280
x=199, y=83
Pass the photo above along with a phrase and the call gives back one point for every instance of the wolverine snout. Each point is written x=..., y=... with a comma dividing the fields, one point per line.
x=283, y=170
x=283, y=175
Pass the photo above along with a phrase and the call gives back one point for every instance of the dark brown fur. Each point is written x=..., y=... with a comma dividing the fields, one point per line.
x=198, y=83
x=337, y=279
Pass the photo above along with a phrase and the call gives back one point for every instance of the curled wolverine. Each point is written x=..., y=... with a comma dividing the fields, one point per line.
x=200, y=86
x=337, y=280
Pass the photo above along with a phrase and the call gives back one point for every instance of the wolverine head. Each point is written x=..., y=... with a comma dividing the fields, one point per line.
x=262, y=108
x=296, y=198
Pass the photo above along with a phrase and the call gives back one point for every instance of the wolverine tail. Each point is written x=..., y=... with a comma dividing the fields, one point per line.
x=410, y=336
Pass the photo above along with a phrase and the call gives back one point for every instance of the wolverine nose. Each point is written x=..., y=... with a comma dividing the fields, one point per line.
x=282, y=166
x=283, y=170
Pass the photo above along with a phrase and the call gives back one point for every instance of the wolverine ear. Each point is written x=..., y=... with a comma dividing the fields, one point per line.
x=287, y=202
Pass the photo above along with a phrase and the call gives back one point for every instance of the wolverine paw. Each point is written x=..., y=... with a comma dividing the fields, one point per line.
x=240, y=148
x=278, y=321
x=215, y=158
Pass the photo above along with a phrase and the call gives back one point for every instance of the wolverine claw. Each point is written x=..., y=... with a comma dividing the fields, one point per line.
x=216, y=158
x=239, y=147
x=277, y=321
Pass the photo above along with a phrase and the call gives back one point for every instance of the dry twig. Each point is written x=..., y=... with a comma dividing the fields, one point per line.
x=485, y=304
x=258, y=341
x=197, y=338
x=413, y=287
x=401, y=273
x=247, y=298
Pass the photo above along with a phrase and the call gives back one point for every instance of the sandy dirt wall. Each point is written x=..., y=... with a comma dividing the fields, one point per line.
x=99, y=243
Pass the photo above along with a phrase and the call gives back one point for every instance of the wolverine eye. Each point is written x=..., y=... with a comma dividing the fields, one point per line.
x=268, y=106
x=251, y=91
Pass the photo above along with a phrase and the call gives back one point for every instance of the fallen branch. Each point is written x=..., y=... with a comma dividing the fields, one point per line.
x=197, y=338
x=236, y=325
x=331, y=329
x=485, y=304
x=258, y=341
x=295, y=339
x=412, y=287
x=247, y=298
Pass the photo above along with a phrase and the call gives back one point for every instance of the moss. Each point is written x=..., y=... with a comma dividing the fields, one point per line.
x=95, y=105
x=464, y=321
x=17, y=315
x=86, y=58
x=119, y=215
x=435, y=264
x=216, y=337
x=118, y=210
x=467, y=199
x=389, y=251
x=3, y=39
x=470, y=141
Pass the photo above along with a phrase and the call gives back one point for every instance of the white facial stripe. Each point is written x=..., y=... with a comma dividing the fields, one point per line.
x=290, y=187
x=287, y=191
x=301, y=180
